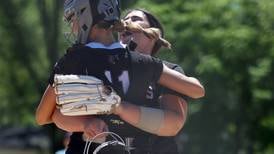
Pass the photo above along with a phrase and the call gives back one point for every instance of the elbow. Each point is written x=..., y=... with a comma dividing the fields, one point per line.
x=173, y=133
x=176, y=132
x=200, y=93
x=198, y=89
x=173, y=130
x=41, y=120
x=177, y=129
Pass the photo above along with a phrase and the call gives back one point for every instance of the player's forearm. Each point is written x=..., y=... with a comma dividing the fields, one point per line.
x=169, y=125
x=176, y=112
x=128, y=112
x=185, y=85
x=42, y=118
x=46, y=107
x=172, y=124
x=69, y=123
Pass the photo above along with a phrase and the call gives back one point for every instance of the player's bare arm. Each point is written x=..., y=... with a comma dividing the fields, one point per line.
x=46, y=107
x=176, y=112
x=88, y=124
x=162, y=122
x=183, y=84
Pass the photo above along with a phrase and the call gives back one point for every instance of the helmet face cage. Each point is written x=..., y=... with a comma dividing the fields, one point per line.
x=78, y=12
x=86, y=13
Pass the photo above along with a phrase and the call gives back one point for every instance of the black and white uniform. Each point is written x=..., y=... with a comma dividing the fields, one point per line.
x=128, y=73
x=159, y=144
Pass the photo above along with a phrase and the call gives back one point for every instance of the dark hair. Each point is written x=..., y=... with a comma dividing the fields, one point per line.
x=153, y=22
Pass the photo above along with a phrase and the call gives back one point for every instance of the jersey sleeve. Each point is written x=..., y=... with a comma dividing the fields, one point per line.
x=68, y=64
x=152, y=66
x=165, y=90
x=157, y=67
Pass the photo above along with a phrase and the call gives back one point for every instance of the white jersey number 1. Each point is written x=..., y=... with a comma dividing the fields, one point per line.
x=123, y=78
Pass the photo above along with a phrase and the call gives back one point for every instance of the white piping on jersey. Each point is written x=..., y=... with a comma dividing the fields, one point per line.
x=97, y=45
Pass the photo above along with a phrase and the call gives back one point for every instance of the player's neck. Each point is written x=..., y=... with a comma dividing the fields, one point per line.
x=144, y=49
x=104, y=40
x=144, y=45
x=102, y=36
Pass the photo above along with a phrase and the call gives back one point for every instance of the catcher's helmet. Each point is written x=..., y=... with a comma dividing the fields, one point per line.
x=90, y=12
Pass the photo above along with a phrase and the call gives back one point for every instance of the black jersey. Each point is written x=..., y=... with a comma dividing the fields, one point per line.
x=113, y=65
x=144, y=142
x=159, y=144
x=154, y=91
x=147, y=143
x=128, y=73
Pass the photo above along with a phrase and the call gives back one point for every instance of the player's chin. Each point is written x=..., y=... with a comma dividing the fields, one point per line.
x=124, y=40
x=125, y=37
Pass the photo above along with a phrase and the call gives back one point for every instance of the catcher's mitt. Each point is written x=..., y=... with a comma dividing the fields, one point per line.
x=84, y=95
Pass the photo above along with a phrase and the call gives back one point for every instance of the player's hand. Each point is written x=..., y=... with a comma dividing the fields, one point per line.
x=117, y=108
x=94, y=127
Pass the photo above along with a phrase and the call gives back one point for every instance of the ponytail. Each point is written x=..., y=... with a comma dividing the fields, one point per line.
x=151, y=33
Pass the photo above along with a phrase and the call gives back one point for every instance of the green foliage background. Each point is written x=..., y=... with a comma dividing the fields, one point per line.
x=227, y=44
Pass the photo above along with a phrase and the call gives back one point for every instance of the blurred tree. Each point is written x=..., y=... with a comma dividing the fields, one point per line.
x=19, y=56
x=32, y=30
x=229, y=46
x=50, y=16
x=24, y=55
